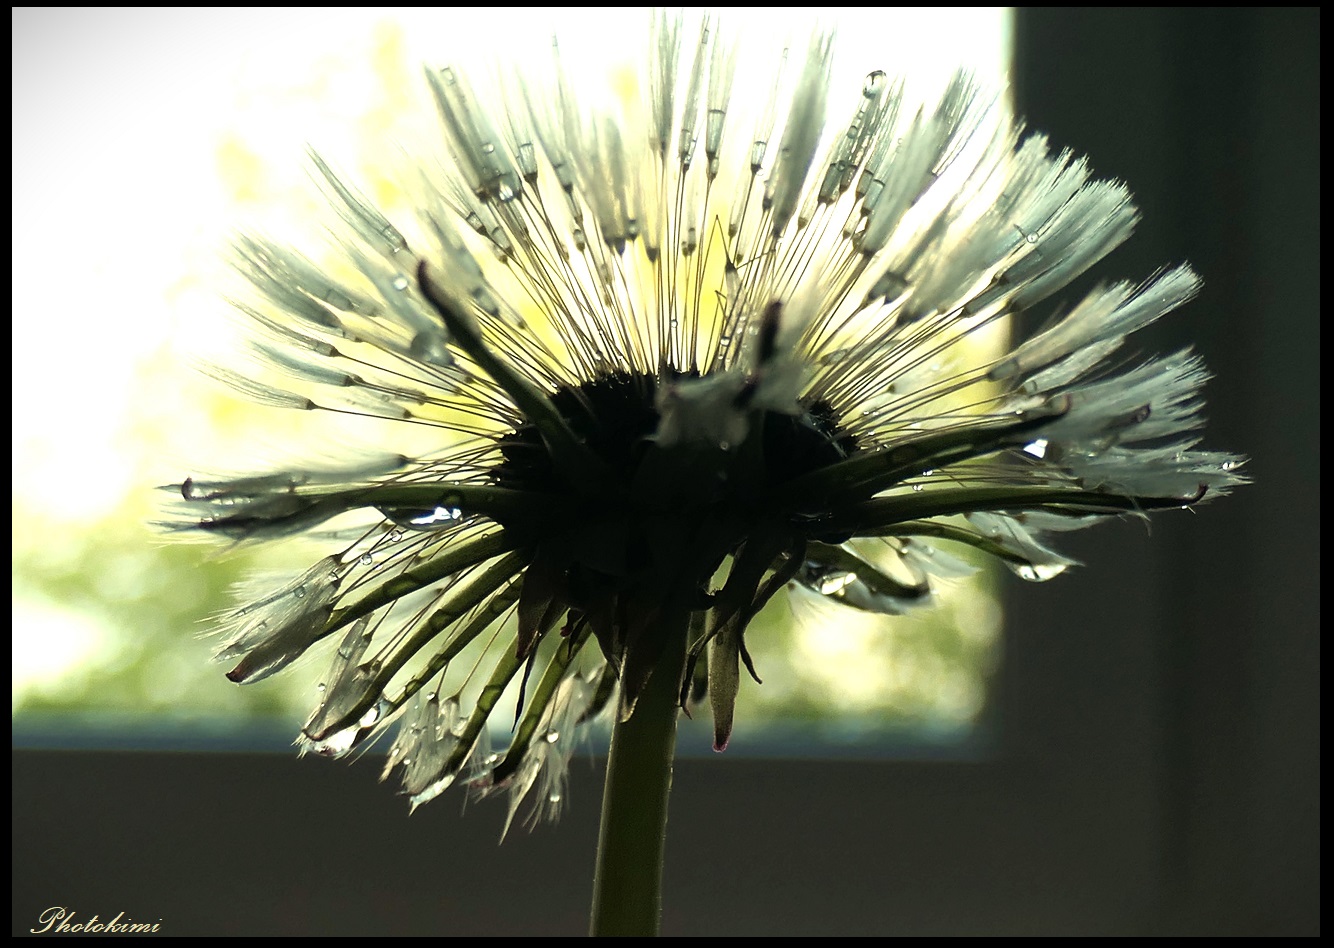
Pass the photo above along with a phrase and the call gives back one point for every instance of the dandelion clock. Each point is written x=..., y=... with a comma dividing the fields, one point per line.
x=668, y=352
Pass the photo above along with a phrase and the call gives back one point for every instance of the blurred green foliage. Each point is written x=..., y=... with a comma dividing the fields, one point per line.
x=153, y=599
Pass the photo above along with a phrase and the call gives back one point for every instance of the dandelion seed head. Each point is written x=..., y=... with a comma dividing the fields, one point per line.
x=682, y=350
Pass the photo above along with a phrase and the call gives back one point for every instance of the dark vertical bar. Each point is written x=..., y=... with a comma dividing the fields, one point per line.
x=1212, y=118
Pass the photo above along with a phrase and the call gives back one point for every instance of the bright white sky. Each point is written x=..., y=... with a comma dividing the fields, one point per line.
x=120, y=208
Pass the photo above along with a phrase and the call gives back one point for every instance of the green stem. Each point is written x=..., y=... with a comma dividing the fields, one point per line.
x=627, y=886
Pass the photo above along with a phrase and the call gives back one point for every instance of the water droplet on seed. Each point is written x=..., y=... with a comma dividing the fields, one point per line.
x=1039, y=572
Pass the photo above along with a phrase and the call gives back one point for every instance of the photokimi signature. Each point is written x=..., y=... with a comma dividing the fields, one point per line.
x=59, y=919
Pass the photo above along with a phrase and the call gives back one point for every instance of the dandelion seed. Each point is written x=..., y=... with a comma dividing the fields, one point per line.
x=683, y=357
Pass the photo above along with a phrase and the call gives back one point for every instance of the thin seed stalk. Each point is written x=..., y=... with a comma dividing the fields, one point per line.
x=627, y=884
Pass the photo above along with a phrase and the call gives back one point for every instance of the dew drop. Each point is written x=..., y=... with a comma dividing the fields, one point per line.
x=1039, y=572
x=835, y=583
x=321, y=687
x=337, y=744
x=439, y=515
x=400, y=283
x=299, y=592
x=366, y=559
x=551, y=737
x=396, y=241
